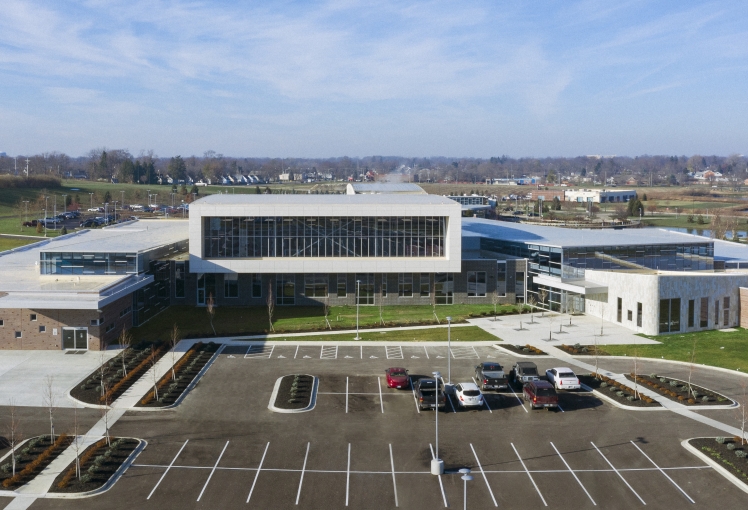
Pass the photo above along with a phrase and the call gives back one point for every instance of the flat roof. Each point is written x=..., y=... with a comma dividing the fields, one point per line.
x=730, y=251
x=132, y=237
x=322, y=200
x=566, y=237
x=386, y=187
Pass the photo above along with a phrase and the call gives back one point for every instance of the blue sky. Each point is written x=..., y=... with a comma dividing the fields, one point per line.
x=355, y=78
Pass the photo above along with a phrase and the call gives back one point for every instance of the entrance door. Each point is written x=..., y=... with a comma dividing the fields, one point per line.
x=75, y=338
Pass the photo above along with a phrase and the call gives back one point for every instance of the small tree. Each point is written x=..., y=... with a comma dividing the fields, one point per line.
x=543, y=295
x=691, y=365
x=433, y=306
x=271, y=305
x=532, y=302
x=125, y=341
x=326, y=311
x=495, y=301
x=381, y=308
x=636, y=372
x=14, y=432
x=173, y=341
x=77, y=441
x=742, y=415
x=597, y=370
x=211, y=308
x=152, y=361
x=50, y=399
x=105, y=410
x=103, y=370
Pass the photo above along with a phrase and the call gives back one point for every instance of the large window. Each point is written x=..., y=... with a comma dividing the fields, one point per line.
x=384, y=285
x=639, y=314
x=315, y=285
x=669, y=315
x=179, y=278
x=88, y=263
x=365, y=291
x=619, y=309
x=231, y=285
x=285, y=289
x=342, y=286
x=303, y=236
x=405, y=285
x=726, y=312
x=704, y=313
x=501, y=278
x=443, y=288
x=691, y=312
x=476, y=283
x=425, y=285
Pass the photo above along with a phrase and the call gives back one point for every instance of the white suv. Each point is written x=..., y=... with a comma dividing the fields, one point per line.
x=468, y=395
x=562, y=378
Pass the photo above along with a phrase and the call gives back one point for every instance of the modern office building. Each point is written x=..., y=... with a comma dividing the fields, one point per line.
x=650, y=280
x=80, y=290
x=600, y=196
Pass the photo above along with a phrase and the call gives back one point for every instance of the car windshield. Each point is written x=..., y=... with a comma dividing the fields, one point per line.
x=428, y=391
x=471, y=393
x=567, y=375
x=491, y=367
x=529, y=370
x=398, y=373
x=545, y=392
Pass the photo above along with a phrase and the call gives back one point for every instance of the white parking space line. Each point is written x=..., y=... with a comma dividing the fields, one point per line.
x=257, y=474
x=394, y=485
x=362, y=352
x=484, y=475
x=348, y=476
x=167, y=470
x=213, y=471
x=303, y=468
x=663, y=472
x=619, y=474
x=517, y=397
x=426, y=351
x=572, y=473
x=464, y=352
x=259, y=352
x=484, y=398
x=414, y=395
x=444, y=495
x=394, y=352
x=328, y=352
x=528, y=474
x=379, y=385
x=346, y=395
x=297, y=351
x=560, y=408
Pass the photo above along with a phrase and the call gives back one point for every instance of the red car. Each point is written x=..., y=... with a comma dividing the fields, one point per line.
x=397, y=377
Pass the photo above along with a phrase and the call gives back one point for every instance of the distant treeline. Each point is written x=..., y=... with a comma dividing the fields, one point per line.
x=32, y=181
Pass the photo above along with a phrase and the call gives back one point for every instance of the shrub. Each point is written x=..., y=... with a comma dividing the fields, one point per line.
x=630, y=398
x=705, y=398
x=673, y=383
x=6, y=468
x=730, y=446
x=619, y=393
x=612, y=388
x=662, y=379
x=603, y=384
x=691, y=401
x=85, y=478
x=741, y=454
x=653, y=376
x=93, y=468
x=681, y=398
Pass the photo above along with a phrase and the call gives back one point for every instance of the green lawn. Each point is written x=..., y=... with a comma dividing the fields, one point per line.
x=461, y=334
x=715, y=348
x=8, y=243
x=228, y=321
x=681, y=222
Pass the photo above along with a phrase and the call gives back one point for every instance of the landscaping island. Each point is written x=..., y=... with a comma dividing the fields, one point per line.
x=98, y=463
x=680, y=391
x=31, y=458
x=730, y=453
x=617, y=391
x=295, y=392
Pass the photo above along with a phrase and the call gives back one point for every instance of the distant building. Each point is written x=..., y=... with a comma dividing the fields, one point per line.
x=600, y=196
x=376, y=188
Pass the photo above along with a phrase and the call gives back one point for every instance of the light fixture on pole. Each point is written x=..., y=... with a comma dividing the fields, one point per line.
x=91, y=194
x=466, y=478
x=437, y=465
x=45, y=216
x=449, y=350
x=358, y=290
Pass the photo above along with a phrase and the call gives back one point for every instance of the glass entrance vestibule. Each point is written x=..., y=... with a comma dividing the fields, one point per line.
x=75, y=338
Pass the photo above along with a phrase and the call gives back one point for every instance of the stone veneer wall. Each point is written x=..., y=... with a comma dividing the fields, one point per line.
x=743, y=305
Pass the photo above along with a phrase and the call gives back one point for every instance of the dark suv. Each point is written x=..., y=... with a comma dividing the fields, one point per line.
x=540, y=394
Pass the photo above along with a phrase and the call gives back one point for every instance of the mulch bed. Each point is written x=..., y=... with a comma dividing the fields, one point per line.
x=725, y=454
x=137, y=360
x=583, y=350
x=677, y=390
x=32, y=457
x=97, y=465
x=185, y=369
x=616, y=391
x=527, y=350
x=295, y=392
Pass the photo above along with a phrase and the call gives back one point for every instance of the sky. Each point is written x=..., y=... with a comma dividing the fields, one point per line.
x=358, y=78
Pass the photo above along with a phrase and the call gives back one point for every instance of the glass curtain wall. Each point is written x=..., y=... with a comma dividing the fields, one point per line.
x=255, y=237
x=88, y=263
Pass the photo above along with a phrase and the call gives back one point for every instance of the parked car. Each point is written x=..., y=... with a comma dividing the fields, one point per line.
x=468, y=395
x=491, y=376
x=31, y=223
x=428, y=394
x=562, y=378
x=89, y=223
x=524, y=371
x=540, y=394
x=397, y=377
x=96, y=209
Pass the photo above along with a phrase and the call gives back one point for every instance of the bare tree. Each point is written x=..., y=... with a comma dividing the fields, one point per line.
x=326, y=311
x=433, y=307
x=742, y=414
x=103, y=370
x=271, y=305
x=105, y=410
x=636, y=372
x=50, y=399
x=691, y=365
x=14, y=432
x=173, y=341
x=495, y=300
x=543, y=295
x=210, y=306
x=152, y=361
x=125, y=341
x=381, y=309
x=77, y=441
x=597, y=355
x=532, y=302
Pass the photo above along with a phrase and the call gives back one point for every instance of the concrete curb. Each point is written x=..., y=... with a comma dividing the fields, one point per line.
x=529, y=356
x=188, y=389
x=737, y=482
x=734, y=404
x=109, y=484
x=606, y=398
x=312, y=403
x=7, y=455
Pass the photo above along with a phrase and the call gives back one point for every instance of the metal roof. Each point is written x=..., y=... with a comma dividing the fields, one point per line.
x=300, y=200
x=386, y=187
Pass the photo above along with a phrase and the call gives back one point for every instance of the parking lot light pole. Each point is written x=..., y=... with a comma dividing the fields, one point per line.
x=358, y=299
x=437, y=465
x=91, y=195
x=449, y=350
x=45, y=216
x=466, y=478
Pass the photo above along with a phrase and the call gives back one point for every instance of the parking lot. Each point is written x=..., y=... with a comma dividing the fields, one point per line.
x=368, y=446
